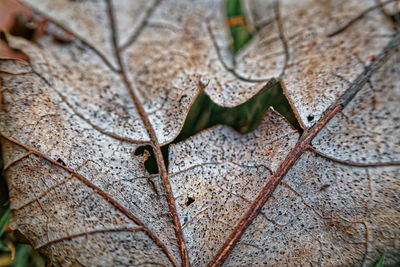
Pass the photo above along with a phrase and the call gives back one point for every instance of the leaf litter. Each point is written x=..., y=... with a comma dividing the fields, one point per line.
x=219, y=199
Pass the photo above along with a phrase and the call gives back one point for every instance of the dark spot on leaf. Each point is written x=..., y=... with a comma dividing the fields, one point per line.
x=323, y=187
x=310, y=118
x=189, y=201
x=63, y=40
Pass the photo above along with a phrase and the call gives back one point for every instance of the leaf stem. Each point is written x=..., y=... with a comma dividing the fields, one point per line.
x=155, y=144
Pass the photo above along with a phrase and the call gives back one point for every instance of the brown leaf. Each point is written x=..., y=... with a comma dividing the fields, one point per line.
x=126, y=77
x=222, y=172
x=9, y=9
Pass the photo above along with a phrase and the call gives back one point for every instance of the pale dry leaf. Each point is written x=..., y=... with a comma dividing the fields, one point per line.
x=367, y=130
x=328, y=212
x=127, y=75
x=319, y=67
x=217, y=173
x=335, y=206
x=67, y=206
x=166, y=80
x=325, y=214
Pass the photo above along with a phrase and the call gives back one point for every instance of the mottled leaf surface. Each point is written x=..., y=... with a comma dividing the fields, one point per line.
x=318, y=67
x=126, y=73
x=335, y=207
x=367, y=130
x=325, y=213
x=54, y=200
x=221, y=172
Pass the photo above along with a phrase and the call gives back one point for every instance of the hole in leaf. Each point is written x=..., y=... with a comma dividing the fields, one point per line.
x=310, y=118
x=189, y=201
x=240, y=32
x=204, y=113
x=59, y=160
x=396, y=19
x=150, y=163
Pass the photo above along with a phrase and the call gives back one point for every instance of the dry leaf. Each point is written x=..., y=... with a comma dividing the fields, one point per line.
x=127, y=75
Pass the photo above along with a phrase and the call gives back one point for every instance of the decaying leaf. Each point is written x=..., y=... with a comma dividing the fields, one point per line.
x=126, y=77
x=229, y=171
x=9, y=12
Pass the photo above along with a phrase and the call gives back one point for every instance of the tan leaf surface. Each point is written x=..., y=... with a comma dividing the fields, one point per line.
x=318, y=67
x=336, y=207
x=103, y=186
x=367, y=130
x=222, y=172
x=325, y=214
x=126, y=75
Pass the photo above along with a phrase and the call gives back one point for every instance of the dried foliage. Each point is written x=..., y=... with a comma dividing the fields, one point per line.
x=106, y=78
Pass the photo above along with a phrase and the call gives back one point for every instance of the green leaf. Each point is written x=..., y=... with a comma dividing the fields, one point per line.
x=4, y=246
x=233, y=8
x=4, y=221
x=21, y=255
x=381, y=260
x=240, y=32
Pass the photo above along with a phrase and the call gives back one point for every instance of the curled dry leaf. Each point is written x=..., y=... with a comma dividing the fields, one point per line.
x=74, y=116
x=9, y=11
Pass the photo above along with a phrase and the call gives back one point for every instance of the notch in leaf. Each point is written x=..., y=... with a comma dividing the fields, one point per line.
x=204, y=113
